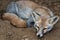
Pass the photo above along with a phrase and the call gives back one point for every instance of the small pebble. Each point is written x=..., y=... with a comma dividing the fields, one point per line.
x=26, y=39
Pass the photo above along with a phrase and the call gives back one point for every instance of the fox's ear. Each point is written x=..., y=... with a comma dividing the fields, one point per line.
x=35, y=16
x=54, y=20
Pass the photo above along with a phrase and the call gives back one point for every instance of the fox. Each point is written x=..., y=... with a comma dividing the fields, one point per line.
x=28, y=13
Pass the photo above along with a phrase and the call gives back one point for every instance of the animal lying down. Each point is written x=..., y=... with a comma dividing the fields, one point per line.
x=28, y=13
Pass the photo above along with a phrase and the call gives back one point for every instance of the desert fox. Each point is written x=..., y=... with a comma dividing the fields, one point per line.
x=28, y=13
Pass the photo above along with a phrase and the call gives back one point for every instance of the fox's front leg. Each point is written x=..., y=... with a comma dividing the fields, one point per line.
x=14, y=19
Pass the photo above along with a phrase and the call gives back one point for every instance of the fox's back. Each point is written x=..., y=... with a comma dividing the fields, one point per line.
x=29, y=4
x=24, y=9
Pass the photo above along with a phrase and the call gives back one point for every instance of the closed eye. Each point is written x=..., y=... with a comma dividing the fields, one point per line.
x=44, y=28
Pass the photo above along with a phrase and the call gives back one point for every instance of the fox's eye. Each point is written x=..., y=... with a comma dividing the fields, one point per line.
x=44, y=28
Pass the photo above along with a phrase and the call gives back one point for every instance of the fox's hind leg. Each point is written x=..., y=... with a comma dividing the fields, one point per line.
x=14, y=19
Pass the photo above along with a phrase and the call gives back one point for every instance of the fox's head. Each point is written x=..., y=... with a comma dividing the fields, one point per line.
x=44, y=25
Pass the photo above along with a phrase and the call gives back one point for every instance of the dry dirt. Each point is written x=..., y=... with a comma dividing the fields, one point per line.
x=9, y=32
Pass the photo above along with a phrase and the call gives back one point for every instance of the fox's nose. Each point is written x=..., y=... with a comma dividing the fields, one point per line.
x=40, y=35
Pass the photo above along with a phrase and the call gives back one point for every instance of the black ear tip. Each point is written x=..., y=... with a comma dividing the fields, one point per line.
x=55, y=19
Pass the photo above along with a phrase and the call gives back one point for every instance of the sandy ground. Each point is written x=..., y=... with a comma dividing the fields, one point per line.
x=9, y=32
